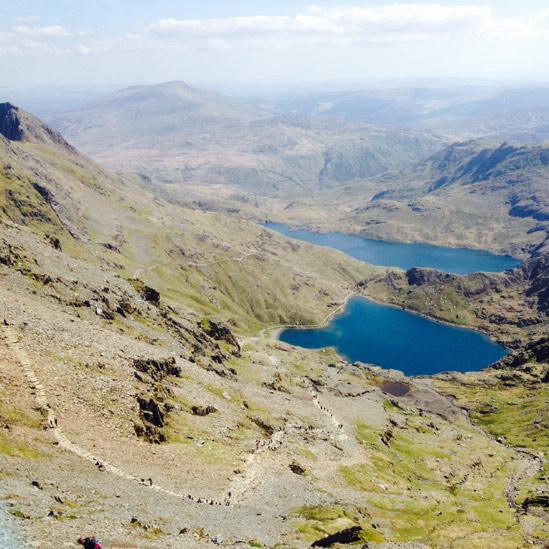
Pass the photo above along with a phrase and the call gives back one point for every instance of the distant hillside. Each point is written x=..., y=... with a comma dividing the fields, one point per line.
x=472, y=194
x=385, y=106
x=517, y=175
x=460, y=112
x=173, y=133
x=147, y=114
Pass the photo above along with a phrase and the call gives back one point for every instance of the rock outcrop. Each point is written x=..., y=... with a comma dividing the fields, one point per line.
x=347, y=536
x=419, y=277
x=10, y=123
x=157, y=369
x=219, y=331
x=153, y=418
x=203, y=410
x=536, y=351
x=18, y=125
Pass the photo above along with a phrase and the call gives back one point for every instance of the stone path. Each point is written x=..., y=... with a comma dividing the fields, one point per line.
x=253, y=465
x=529, y=465
x=13, y=342
x=238, y=259
x=342, y=436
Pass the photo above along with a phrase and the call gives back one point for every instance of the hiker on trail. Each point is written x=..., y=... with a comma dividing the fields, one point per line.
x=90, y=542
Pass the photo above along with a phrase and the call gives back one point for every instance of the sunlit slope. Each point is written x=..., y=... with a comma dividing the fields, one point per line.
x=205, y=261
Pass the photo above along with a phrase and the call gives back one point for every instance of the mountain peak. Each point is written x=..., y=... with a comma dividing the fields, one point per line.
x=18, y=125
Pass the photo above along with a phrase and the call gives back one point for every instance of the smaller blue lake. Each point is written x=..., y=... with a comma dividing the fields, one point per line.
x=394, y=338
x=397, y=254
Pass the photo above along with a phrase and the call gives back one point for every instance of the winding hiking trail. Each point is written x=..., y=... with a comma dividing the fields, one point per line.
x=238, y=259
x=320, y=324
x=529, y=466
x=342, y=436
x=13, y=342
x=253, y=466
x=254, y=462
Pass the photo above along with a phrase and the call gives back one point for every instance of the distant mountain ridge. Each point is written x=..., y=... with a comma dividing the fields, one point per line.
x=158, y=108
x=462, y=112
x=174, y=133
x=473, y=194
x=519, y=173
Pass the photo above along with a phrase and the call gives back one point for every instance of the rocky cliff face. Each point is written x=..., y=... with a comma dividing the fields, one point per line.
x=418, y=277
x=18, y=125
x=536, y=351
x=535, y=273
x=10, y=123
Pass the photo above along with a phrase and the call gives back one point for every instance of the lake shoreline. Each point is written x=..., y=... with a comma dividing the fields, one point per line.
x=439, y=320
x=480, y=350
x=403, y=256
x=459, y=261
x=501, y=252
x=275, y=331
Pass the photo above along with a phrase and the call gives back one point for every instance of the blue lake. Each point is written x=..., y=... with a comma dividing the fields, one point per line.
x=393, y=338
x=396, y=254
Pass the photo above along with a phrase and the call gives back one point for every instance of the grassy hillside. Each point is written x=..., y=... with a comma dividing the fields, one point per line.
x=208, y=262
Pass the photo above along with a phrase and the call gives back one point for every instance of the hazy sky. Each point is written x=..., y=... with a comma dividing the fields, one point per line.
x=48, y=42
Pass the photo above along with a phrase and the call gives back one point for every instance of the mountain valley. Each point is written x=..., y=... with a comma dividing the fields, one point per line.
x=298, y=166
x=144, y=393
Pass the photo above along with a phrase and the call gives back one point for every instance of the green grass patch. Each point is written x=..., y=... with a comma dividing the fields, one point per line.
x=17, y=449
x=13, y=415
x=17, y=513
x=320, y=521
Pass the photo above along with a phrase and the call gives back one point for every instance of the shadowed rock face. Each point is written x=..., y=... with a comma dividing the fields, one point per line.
x=418, y=277
x=10, y=123
x=537, y=271
x=18, y=125
x=534, y=277
x=536, y=351
x=157, y=369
